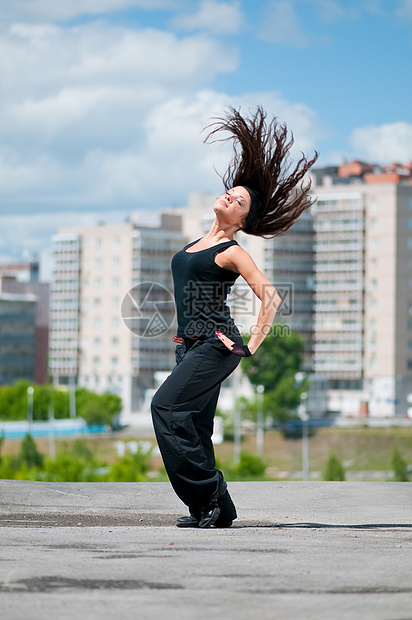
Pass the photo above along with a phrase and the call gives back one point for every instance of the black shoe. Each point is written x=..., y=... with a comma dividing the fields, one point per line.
x=209, y=515
x=188, y=521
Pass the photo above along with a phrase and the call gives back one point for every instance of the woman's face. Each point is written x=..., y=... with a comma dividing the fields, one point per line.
x=233, y=206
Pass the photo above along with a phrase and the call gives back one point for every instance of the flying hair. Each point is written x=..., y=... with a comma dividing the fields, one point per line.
x=261, y=163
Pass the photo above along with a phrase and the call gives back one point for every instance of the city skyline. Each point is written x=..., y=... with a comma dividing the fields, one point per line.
x=103, y=102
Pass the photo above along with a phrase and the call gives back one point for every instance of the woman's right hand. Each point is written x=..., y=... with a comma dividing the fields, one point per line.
x=177, y=340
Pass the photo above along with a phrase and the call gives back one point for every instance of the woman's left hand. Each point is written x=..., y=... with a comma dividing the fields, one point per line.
x=237, y=349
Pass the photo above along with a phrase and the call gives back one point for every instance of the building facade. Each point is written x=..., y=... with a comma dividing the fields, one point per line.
x=111, y=308
x=363, y=289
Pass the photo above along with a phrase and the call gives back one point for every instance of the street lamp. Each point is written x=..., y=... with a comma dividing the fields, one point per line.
x=237, y=419
x=260, y=420
x=302, y=410
x=30, y=392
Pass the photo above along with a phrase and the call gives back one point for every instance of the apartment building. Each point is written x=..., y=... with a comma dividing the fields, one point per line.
x=363, y=287
x=111, y=311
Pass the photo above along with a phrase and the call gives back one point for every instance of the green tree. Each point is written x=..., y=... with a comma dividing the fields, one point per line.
x=98, y=409
x=333, y=469
x=274, y=365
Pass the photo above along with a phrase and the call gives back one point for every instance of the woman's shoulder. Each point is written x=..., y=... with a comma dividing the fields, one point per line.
x=233, y=257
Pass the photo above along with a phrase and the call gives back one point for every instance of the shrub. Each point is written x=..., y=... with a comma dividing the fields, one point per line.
x=399, y=467
x=250, y=467
x=334, y=469
x=131, y=467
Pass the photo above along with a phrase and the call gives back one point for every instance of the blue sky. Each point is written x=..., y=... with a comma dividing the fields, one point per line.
x=102, y=101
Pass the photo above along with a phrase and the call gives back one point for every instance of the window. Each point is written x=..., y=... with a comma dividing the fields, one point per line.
x=409, y=364
x=115, y=282
x=97, y=302
x=115, y=341
x=372, y=364
x=410, y=223
x=116, y=262
x=97, y=321
x=410, y=345
x=98, y=263
x=96, y=341
x=373, y=303
x=115, y=302
x=97, y=282
x=115, y=321
x=374, y=223
x=373, y=243
x=409, y=244
x=115, y=360
x=97, y=243
x=372, y=345
x=115, y=243
x=410, y=203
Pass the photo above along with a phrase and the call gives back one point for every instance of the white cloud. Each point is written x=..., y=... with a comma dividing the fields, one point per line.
x=52, y=10
x=281, y=24
x=384, y=143
x=211, y=16
x=99, y=120
x=333, y=11
x=75, y=103
x=405, y=8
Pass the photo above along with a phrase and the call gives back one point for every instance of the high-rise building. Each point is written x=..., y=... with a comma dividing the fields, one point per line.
x=17, y=337
x=39, y=291
x=363, y=287
x=289, y=265
x=112, y=313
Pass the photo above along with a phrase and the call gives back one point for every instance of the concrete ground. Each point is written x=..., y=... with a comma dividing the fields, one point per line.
x=299, y=550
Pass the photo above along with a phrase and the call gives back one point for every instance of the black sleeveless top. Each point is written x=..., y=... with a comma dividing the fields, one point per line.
x=201, y=288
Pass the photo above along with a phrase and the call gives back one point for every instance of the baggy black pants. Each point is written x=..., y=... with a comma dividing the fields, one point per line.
x=183, y=410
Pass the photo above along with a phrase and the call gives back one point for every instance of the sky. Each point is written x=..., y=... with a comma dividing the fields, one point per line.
x=103, y=102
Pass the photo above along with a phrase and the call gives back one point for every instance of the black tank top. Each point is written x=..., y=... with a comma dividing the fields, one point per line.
x=201, y=288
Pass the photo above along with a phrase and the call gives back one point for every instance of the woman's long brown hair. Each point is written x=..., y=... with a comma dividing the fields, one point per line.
x=261, y=162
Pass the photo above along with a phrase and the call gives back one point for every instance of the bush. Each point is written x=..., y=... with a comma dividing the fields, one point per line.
x=29, y=455
x=250, y=467
x=131, y=467
x=399, y=467
x=334, y=469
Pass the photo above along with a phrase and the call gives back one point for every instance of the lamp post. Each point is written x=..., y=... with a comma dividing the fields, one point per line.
x=237, y=419
x=72, y=397
x=52, y=443
x=305, y=435
x=30, y=392
x=260, y=421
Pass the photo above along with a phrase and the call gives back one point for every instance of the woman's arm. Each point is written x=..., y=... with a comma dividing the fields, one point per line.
x=240, y=261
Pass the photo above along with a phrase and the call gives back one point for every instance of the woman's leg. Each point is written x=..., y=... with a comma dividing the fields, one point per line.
x=204, y=422
x=175, y=408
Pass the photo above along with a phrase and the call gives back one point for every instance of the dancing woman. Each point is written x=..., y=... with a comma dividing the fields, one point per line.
x=264, y=196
